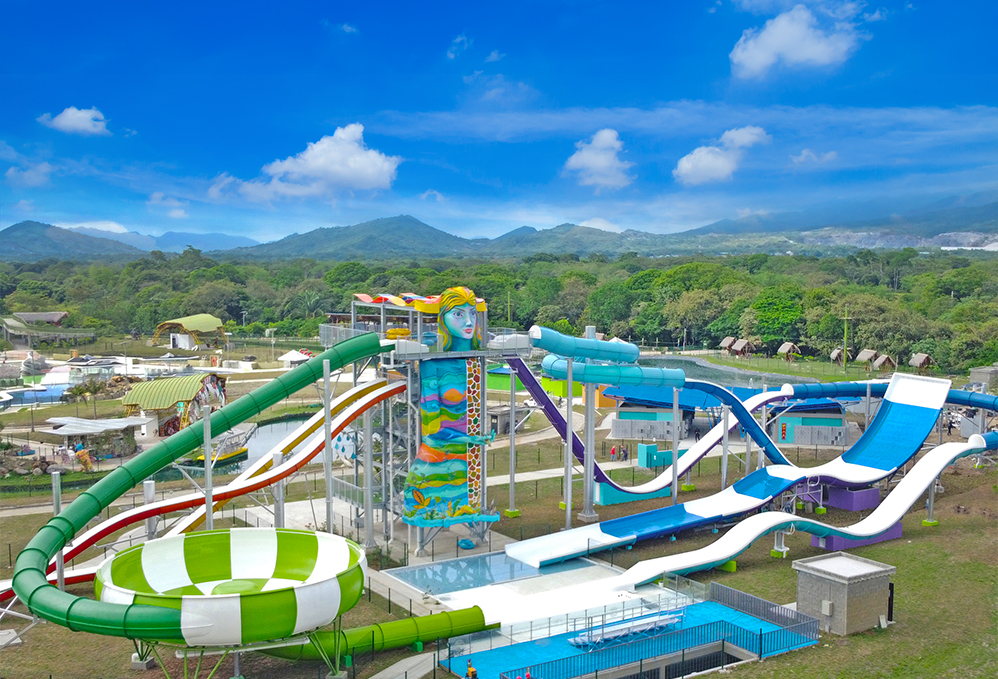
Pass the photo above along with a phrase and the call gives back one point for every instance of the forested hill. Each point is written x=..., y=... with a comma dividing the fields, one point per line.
x=32, y=241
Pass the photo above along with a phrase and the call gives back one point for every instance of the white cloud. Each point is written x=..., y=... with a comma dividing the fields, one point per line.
x=177, y=213
x=717, y=163
x=458, y=45
x=794, y=39
x=336, y=163
x=809, y=156
x=30, y=175
x=879, y=15
x=347, y=28
x=497, y=89
x=161, y=199
x=88, y=121
x=431, y=192
x=219, y=185
x=7, y=151
x=494, y=56
x=597, y=164
x=602, y=224
x=24, y=205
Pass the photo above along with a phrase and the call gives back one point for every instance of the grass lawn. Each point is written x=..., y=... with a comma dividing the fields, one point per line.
x=23, y=417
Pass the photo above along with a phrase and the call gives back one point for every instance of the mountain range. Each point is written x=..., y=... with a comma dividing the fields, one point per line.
x=958, y=221
x=171, y=241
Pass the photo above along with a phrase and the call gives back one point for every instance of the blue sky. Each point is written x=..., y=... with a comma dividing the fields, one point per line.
x=262, y=120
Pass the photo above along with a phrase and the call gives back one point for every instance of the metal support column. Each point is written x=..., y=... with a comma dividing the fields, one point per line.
x=931, y=506
x=569, y=436
x=748, y=451
x=486, y=428
x=588, y=514
x=209, y=506
x=725, y=411
x=148, y=497
x=60, y=564
x=512, y=511
x=278, y=491
x=675, y=445
x=327, y=457
x=368, y=480
x=866, y=420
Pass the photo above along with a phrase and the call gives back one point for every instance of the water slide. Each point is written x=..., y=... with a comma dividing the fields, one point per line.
x=135, y=620
x=221, y=594
x=908, y=414
x=918, y=479
x=345, y=409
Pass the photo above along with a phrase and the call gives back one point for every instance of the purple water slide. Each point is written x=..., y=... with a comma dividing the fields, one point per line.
x=555, y=417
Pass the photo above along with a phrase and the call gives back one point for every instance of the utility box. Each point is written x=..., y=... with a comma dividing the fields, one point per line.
x=846, y=593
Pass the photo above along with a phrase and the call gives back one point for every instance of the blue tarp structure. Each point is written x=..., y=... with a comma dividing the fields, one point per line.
x=694, y=399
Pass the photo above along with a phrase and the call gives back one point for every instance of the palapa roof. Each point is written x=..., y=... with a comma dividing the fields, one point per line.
x=788, y=348
x=920, y=360
x=727, y=342
x=836, y=354
x=867, y=355
x=882, y=361
x=741, y=345
x=165, y=392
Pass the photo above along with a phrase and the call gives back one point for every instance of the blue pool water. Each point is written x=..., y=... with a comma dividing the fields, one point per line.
x=490, y=664
x=479, y=570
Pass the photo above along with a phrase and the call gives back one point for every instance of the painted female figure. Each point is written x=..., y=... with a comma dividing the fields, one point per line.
x=444, y=485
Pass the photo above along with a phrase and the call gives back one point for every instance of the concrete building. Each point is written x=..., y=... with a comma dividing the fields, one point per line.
x=846, y=593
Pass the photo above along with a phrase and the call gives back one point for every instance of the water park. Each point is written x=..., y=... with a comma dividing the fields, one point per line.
x=426, y=417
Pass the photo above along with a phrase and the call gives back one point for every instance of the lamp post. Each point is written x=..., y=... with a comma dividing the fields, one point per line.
x=244, y=318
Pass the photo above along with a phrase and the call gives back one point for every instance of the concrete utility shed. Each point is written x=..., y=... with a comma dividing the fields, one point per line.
x=846, y=593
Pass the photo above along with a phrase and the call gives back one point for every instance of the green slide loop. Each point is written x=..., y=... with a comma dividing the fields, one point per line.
x=138, y=621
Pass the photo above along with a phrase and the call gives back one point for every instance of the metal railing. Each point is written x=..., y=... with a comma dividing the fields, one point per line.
x=576, y=621
x=643, y=651
x=759, y=608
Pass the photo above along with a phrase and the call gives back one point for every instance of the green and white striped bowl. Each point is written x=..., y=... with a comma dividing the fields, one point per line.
x=242, y=585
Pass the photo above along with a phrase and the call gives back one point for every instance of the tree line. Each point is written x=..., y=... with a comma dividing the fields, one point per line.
x=898, y=302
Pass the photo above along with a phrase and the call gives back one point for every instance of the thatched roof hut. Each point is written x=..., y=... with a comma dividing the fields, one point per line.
x=789, y=351
x=920, y=361
x=838, y=357
x=741, y=347
x=884, y=363
x=867, y=355
x=727, y=342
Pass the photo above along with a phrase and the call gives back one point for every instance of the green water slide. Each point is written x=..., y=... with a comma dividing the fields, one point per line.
x=136, y=620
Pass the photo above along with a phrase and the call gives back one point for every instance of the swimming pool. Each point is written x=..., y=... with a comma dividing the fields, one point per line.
x=479, y=570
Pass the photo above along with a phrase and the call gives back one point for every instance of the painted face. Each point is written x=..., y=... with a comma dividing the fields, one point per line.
x=461, y=321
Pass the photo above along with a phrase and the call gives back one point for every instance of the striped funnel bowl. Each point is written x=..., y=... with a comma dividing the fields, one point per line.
x=242, y=585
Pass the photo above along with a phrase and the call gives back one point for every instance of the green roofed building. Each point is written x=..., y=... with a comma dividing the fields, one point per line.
x=175, y=402
x=192, y=332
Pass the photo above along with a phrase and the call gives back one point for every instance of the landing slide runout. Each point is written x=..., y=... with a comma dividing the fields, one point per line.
x=909, y=412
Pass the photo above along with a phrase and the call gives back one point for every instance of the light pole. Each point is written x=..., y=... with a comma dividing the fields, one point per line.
x=244, y=318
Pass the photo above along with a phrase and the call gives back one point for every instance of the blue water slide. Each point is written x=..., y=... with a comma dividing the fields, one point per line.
x=595, y=373
x=564, y=345
x=744, y=417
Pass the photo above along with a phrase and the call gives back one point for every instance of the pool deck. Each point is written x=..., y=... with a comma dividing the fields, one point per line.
x=493, y=662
